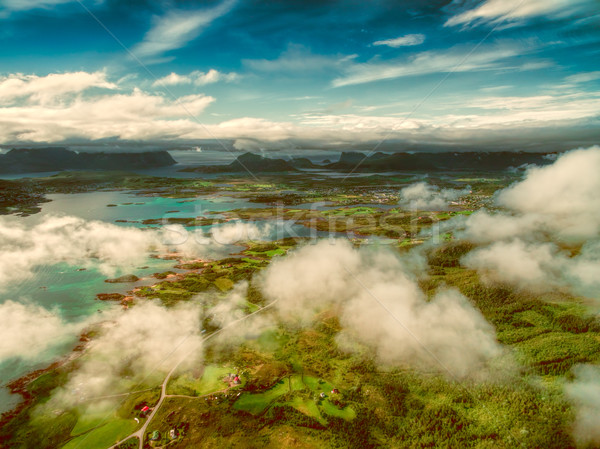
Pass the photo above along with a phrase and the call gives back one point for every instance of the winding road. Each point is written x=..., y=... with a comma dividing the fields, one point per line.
x=140, y=433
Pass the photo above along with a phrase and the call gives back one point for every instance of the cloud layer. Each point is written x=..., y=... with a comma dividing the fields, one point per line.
x=547, y=234
x=29, y=331
x=584, y=393
x=382, y=307
x=423, y=196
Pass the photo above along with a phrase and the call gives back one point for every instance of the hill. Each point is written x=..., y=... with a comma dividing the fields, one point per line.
x=31, y=160
x=247, y=162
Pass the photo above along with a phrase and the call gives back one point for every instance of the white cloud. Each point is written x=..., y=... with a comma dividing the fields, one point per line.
x=146, y=339
x=298, y=59
x=494, y=12
x=239, y=231
x=402, y=41
x=547, y=235
x=196, y=77
x=584, y=393
x=72, y=240
x=444, y=334
x=172, y=79
x=178, y=27
x=564, y=195
x=29, y=330
x=526, y=265
x=458, y=59
x=583, y=77
x=43, y=89
x=23, y=5
x=422, y=196
x=78, y=106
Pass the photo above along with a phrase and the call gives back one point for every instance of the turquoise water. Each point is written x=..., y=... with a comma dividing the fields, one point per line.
x=71, y=292
x=62, y=287
x=94, y=206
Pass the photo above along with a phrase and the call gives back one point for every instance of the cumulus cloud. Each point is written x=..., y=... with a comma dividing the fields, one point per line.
x=584, y=393
x=196, y=242
x=564, y=195
x=29, y=330
x=110, y=247
x=196, y=77
x=178, y=27
x=402, y=41
x=423, y=196
x=517, y=262
x=133, y=115
x=146, y=340
x=546, y=234
x=239, y=231
x=381, y=306
x=72, y=240
x=87, y=106
x=43, y=89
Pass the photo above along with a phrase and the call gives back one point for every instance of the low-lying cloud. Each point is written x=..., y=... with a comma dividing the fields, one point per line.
x=382, y=307
x=29, y=330
x=72, y=240
x=584, y=393
x=547, y=233
x=423, y=196
x=110, y=247
x=136, y=346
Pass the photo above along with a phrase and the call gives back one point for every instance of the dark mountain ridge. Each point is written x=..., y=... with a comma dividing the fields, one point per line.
x=31, y=160
x=382, y=162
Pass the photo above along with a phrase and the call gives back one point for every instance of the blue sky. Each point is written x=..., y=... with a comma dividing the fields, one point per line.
x=463, y=74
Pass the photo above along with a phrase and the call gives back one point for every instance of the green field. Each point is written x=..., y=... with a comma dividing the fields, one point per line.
x=211, y=381
x=104, y=436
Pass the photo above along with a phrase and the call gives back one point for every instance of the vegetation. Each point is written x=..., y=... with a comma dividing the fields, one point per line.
x=298, y=387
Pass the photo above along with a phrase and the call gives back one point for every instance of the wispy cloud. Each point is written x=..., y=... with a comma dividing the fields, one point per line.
x=494, y=12
x=403, y=41
x=196, y=77
x=298, y=59
x=583, y=77
x=178, y=27
x=24, y=5
x=456, y=59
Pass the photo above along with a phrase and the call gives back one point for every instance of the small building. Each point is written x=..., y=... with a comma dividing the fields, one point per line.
x=173, y=434
x=236, y=380
x=145, y=409
x=335, y=391
x=322, y=395
x=155, y=436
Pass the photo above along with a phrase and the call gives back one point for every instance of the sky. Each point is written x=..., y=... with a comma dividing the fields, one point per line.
x=256, y=75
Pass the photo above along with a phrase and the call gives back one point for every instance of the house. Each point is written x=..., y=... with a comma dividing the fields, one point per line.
x=335, y=391
x=173, y=434
x=145, y=409
x=236, y=380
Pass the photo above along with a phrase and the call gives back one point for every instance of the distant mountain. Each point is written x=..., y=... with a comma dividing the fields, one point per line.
x=488, y=161
x=247, y=162
x=382, y=162
x=31, y=160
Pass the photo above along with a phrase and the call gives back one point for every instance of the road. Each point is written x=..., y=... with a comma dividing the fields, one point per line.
x=163, y=388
